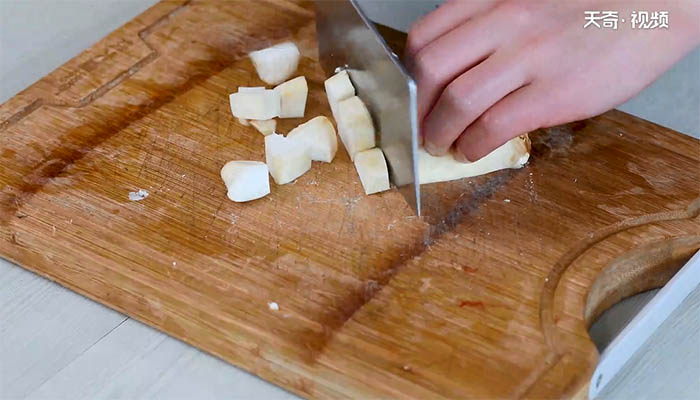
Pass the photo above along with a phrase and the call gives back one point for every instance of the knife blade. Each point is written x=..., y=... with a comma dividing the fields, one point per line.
x=347, y=39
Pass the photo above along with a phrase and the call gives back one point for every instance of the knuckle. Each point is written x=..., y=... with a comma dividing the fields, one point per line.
x=411, y=43
x=492, y=123
x=414, y=40
x=421, y=62
x=453, y=97
x=520, y=11
x=426, y=71
x=414, y=29
x=458, y=99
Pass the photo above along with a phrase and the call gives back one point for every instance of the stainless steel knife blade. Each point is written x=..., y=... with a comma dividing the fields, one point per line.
x=348, y=39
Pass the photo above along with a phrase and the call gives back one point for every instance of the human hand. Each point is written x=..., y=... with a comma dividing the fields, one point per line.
x=490, y=70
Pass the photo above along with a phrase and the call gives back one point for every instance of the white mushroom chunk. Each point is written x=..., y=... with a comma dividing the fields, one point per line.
x=276, y=64
x=245, y=180
x=372, y=169
x=319, y=137
x=512, y=154
x=338, y=88
x=293, y=97
x=251, y=89
x=287, y=159
x=257, y=104
x=355, y=126
x=266, y=127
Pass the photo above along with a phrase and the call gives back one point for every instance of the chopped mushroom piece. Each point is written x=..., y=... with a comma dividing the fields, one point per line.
x=266, y=127
x=249, y=89
x=338, y=88
x=257, y=104
x=372, y=169
x=286, y=158
x=245, y=180
x=319, y=136
x=276, y=64
x=355, y=126
x=293, y=97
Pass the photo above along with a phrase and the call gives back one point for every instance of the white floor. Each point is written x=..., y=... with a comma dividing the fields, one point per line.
x=57, y=344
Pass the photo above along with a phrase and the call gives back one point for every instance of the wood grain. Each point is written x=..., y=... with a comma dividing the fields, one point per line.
x=488, y=302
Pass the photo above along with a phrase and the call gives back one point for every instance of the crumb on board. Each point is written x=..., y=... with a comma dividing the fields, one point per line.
x=138, y=195
x=273, y=306
x=425, y=284
x=506, y=200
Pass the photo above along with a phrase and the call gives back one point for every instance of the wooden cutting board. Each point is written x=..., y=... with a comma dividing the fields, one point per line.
x=493, y=301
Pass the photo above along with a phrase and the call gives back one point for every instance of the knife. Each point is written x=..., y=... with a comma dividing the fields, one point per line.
x=347, y=39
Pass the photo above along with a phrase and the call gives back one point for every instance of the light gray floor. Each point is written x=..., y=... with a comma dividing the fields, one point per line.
x=57, y=344
x=650, y=375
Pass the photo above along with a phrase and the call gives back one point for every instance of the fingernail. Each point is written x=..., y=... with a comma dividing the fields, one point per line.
x=459, y=156
x=430, y=148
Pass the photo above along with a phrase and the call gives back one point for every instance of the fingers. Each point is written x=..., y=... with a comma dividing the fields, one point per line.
x=444, y=59
x=445, y=18
x=520, y=112
x=469, y=96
